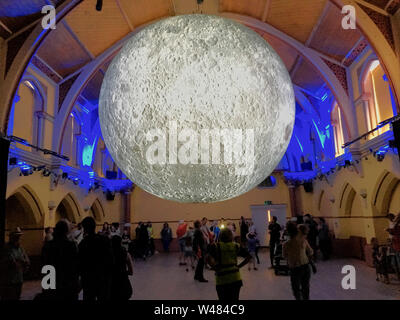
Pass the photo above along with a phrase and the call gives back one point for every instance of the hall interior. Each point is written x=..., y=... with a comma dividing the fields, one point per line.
x=341, y=164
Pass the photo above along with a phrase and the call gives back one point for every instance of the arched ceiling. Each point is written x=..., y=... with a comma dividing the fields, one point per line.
x=85, y=33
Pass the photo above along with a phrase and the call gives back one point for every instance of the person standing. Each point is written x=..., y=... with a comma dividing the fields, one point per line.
x=199, y=249
x=223, y=259
x=208, y=237
x=121, y=288
x=166, y=236
x=143, y=241
x=95, y=263
x=77, y=233
x=151, y=238
x=312, y=232
x=244, y=230
x=105, y=231
x=394, y=231
x=215, y=229
x=252, y=248
x=62, y=253
x=324, y=239
x=48, y=234
x=180, y=234
x=13, y=263
x=297, y=250
x=126, y=240
x=274, y=238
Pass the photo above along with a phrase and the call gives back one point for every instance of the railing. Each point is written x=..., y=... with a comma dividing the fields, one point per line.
x=365, y=135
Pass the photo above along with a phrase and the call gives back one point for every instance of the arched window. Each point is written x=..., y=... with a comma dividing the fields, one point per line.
x=337, y=127
x=70, y=143
x=26, y=116
x=378, y=99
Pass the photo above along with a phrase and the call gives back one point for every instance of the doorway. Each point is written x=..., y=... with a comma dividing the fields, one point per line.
x=262, y=215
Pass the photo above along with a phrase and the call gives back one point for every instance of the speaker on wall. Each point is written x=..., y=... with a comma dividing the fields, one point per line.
x=110, y=195
x=308, y=187
x=111, y=174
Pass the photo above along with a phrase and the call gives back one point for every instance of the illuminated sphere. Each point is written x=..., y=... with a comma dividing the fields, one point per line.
x=200, y=72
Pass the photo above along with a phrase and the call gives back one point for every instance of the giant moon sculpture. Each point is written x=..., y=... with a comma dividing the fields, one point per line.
x=197, y=108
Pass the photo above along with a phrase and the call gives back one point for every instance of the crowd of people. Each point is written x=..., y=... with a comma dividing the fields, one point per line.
x=386, y=257
x=99, y=264
x=95, y=263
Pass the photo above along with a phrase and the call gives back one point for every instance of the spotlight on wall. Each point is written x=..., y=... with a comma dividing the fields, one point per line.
x=26, y=170
x=46, y=172
x=99, y=5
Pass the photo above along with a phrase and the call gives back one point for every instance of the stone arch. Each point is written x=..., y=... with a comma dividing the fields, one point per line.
x=346, y=199
x=379, y=43
x=28, y=46
x=321, y=196
x=383, y=191
x=23, y=209
x=97, y=211
x=69, y=208
x=36, y=112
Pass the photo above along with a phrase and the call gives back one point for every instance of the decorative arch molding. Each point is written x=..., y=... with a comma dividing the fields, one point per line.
x=315, y=59
x=310, y=55
x=30, y=202
x=347, y=196
x=379, y=43
x=305, y=103
x=98, y=211
x=74, y=211
x=86, y=74
x=383, y=191
x=320, y=198
x=364, y=71
x=9, y=85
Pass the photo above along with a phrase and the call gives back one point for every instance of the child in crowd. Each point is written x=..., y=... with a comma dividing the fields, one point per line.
x=252, y=243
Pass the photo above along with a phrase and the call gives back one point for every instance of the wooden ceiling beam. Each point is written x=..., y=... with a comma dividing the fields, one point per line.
x=388, y=4
x=2, y=24
x=296, y=65
x=317, y=25
x=173, y=7
x=266, y=11
x=351, y=50
x=49, y=66
x=371, y=6
x=76, y=38
x=125, y=15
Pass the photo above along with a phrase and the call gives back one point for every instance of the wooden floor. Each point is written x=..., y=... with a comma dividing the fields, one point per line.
x=160, y=277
